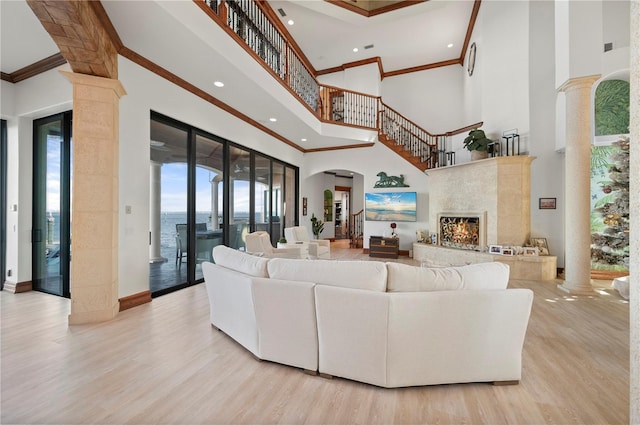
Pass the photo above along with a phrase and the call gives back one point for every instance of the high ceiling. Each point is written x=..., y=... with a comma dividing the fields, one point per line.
x=327, y=34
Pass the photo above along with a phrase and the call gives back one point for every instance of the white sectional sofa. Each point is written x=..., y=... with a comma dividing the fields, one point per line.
x=386, y=324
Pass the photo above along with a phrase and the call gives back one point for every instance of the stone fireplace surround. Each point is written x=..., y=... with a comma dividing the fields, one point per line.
x=499, y=188
x=499, y=191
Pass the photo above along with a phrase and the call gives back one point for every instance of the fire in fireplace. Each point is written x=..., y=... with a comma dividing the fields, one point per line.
x=463, y=231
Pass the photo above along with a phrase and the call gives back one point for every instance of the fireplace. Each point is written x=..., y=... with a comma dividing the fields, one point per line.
x=462, y=230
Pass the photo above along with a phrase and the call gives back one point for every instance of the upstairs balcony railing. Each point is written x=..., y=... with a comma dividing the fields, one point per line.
x=253, y=22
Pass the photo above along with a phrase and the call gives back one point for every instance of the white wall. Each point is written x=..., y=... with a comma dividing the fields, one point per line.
x=431, y=98
x=547, y=170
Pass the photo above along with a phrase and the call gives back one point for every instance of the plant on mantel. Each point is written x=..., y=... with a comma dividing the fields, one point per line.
x=477, y=143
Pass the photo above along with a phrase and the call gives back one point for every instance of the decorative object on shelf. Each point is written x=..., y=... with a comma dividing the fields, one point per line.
x=434, y=239
x=317, y=226
x=495, y=249
x=471, y=64
x=477, y=143
x=282, y=240
x=541, y=244
x=547, y=203
x=507, y=251
x=512, y=136
x=389, y=181
x=420, y=236
x=530, y=251
x=393, y=230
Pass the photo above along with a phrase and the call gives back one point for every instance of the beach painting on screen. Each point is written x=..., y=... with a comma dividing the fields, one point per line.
x=390, y=206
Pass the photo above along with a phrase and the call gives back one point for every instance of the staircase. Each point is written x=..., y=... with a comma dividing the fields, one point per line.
x=252, y=23
x=356, y=232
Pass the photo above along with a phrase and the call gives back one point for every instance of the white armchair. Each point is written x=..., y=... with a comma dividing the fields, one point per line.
x=260, y=243
x=318, y=248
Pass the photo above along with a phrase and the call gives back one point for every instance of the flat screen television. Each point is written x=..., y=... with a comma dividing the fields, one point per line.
x=390, y=206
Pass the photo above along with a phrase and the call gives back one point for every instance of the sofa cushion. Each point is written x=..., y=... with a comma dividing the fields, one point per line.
x=370, y=275
x=492, y=275
x=406, y=278
x=240, y=261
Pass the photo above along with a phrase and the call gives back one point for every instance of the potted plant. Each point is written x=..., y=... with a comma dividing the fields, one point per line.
x=281, y=242
x=317, y=226
x=478, y=143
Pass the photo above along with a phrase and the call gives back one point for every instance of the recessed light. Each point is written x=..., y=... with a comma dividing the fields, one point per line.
x=303, y=140
x=355, y=50
x=450, y=45
x=218, y=83
x=290, y=22
x=273, y=119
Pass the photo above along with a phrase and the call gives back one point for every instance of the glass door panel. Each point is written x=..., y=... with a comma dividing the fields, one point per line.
x=209, y=231
x=290, y=197
x=239, y=195
x=168, y=151
x=51, y=241
x=277, y=202
x=262, y=197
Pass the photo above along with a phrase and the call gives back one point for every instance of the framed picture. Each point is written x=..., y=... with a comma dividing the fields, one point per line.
x=507, y=251
x=547, y=203
x=540, y=244
x=495, y=249
x=530, y=251
x=304, y=206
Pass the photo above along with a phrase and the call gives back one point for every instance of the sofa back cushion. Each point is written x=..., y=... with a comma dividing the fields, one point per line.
x=406, y=278
x=492, y=275
x=240, y=261
x=369, y=275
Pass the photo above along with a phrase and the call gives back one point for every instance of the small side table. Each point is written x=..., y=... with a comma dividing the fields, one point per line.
x=383, y=247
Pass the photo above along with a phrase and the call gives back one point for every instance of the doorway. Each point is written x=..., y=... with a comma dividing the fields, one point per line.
x=342, y=210
x=3, y=202
x=51, y=229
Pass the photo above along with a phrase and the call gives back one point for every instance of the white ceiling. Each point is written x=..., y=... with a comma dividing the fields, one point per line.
x=199, y=52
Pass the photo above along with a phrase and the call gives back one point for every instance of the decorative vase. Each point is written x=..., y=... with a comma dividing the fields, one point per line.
x=476, y=155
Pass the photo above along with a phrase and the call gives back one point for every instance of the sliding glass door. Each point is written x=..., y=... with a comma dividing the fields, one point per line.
x=207, y=191
x=51, y=230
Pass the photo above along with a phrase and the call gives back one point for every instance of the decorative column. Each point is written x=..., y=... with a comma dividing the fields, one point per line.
x=94, y=268
x=215, y=218
x=155, y=192
x=577, y=163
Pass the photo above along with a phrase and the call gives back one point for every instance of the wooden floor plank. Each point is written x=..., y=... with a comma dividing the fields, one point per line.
x=162, y=362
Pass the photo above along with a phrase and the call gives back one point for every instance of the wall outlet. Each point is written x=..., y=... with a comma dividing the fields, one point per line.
x=9, y=273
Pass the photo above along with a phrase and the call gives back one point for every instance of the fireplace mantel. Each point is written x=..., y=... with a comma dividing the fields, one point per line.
x=499, y=186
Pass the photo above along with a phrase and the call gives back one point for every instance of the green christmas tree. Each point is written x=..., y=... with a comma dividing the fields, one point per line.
x=611, y=246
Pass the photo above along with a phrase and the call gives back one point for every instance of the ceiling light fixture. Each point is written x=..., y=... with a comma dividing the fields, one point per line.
x=303, y=140
x=450, y=45
x=273, y=119
x=290, y=22
x=218, y=83
x=355, y=50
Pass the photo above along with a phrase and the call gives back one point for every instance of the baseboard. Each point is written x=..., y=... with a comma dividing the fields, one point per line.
x=18, y=287
x=135, y=300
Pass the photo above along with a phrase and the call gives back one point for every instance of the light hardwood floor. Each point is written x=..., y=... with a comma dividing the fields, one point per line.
x=162, y=362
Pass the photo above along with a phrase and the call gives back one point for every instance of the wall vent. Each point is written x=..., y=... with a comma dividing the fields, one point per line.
x=369, y=46
x=281, y=12
x=608, y=46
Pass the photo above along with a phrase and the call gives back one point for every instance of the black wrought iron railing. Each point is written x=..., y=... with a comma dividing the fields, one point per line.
x=253, y=22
